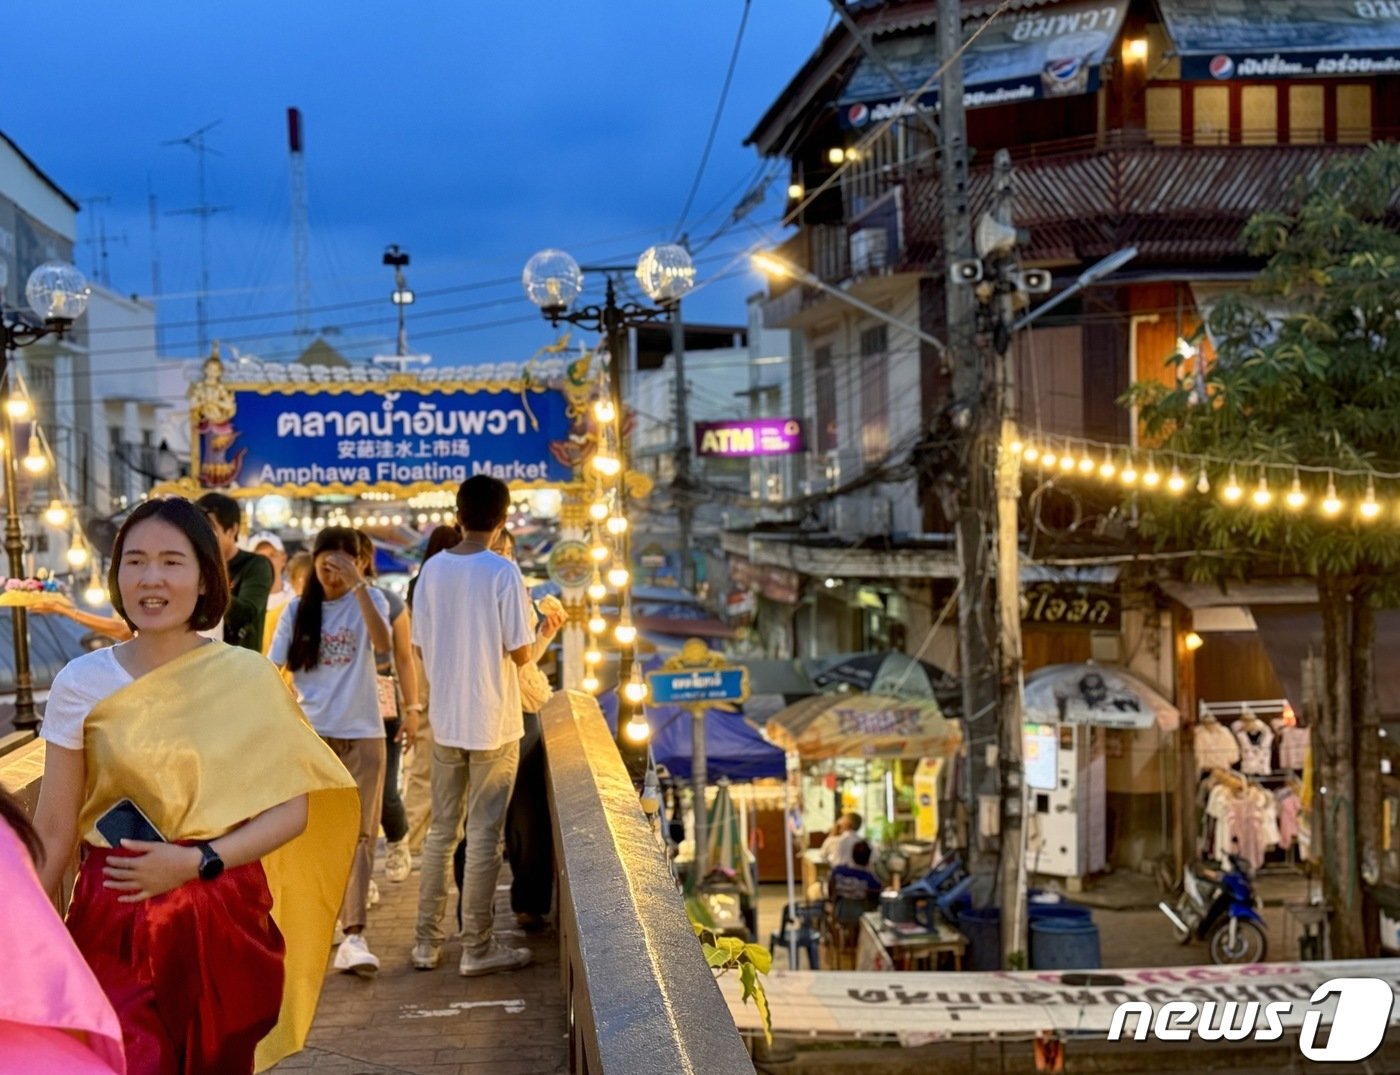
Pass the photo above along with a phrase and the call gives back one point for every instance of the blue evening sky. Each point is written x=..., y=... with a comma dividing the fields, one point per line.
x=470, y=134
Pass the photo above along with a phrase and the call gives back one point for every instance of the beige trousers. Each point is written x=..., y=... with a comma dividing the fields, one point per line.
x=364, y=758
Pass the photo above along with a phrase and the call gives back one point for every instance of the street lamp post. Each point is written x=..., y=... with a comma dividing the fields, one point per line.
x=58, y=294
x=553, y=280
x=402, y=294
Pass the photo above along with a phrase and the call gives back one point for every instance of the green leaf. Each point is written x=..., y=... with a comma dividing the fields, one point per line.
x=733, y=945
x=715, y=957
x=753, y=988
x=760, y=957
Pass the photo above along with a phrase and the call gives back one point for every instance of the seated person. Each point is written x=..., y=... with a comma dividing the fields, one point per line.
x=855, y=882
x=837, y=847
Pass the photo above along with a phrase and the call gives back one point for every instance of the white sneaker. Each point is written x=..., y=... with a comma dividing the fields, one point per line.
x=338, y=935
x=398, y=863
x=426, y=956
x=354, y=956
x=372, y=899
x=496, y=957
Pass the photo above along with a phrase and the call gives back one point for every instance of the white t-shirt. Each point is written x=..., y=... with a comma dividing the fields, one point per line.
x=469, y=612
x=338, y=695
x=79, y=686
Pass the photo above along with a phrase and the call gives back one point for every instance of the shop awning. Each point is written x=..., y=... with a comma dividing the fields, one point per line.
x=1225, y=39
x=1292, y=633
x=1097, y=694
x=1022, y=56
x=863, y=726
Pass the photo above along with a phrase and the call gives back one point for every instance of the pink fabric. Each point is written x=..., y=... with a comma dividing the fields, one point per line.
x=51, y=1001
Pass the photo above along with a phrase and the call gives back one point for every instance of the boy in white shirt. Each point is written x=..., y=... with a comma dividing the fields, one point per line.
x=471, y=626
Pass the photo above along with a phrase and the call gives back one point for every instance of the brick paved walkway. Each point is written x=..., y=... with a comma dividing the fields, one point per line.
x=408, y=1022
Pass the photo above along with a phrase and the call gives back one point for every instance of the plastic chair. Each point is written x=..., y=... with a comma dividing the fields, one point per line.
x=843, y=929
x=809, y=915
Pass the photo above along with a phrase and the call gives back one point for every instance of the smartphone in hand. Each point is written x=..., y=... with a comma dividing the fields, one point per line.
x=125, y=821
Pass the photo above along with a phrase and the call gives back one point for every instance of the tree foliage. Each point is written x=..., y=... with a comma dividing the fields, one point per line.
x=1307, y=374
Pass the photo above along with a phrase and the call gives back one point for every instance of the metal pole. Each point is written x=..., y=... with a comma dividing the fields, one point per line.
x=401, y=287
x=787, y=851
x=25, y=717
x=685, y=506
x=970, y=501
x=699, y=777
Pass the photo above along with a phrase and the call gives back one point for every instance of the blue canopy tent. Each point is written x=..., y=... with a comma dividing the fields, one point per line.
x=733, y=748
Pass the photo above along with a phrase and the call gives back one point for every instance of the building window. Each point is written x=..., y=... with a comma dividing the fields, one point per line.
x=874, y=394
x=824, y=392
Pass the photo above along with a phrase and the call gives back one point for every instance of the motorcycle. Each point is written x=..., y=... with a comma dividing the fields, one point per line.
x=1218, y=906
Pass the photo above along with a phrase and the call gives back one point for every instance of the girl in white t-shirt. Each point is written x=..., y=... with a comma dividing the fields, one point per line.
x=326, y=638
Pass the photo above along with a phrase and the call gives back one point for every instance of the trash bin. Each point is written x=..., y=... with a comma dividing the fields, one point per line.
x=1041, y=911
x=1064, y=944
x=982, y=928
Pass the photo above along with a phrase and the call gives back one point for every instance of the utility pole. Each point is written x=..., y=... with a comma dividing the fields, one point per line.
x=969, y=502
x=203, y=211
x=681, y=486
x=1004, y=290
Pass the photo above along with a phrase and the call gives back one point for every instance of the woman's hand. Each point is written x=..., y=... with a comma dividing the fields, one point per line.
x=347, y=568
x=553, y=620
x=150, y=869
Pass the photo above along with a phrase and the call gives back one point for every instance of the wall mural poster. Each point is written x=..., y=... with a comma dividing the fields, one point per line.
x=407, y=436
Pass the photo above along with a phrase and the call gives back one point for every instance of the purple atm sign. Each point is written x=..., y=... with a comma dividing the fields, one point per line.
x=751, y=436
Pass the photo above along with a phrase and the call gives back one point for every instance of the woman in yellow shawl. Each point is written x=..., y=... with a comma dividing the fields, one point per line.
x=211, y=941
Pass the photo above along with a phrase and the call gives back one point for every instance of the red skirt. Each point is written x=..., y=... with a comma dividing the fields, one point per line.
x=195, y=974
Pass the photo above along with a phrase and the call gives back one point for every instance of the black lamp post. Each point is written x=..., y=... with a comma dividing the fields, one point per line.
x=553, y=281
x=58, y=295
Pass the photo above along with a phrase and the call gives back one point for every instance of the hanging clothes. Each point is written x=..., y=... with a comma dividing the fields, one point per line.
x=1216, y=747
x=1256, y=745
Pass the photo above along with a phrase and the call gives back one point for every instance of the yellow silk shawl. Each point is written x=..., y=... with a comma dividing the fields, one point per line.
x=202, y=744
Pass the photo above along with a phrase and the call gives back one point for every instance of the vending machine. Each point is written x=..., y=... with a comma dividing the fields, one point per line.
x=1067, y=797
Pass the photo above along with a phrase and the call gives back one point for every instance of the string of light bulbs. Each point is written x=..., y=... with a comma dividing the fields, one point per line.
x=1261, y=484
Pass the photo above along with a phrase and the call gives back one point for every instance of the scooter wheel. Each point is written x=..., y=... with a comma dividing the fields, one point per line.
x=1250, y=944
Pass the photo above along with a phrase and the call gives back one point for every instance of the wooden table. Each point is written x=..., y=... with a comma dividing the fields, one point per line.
x=885, y=946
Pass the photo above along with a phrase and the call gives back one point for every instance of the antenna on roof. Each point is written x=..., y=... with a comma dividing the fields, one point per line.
x=204, y=211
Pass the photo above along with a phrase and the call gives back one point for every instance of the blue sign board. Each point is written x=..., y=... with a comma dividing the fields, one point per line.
x=699, y=685
x=309, y=440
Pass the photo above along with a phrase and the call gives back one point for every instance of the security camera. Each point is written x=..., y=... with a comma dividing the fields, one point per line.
x=1035, y=281
x=967, y=271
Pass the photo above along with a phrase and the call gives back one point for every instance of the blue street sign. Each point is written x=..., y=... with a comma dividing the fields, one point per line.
x=699, y=685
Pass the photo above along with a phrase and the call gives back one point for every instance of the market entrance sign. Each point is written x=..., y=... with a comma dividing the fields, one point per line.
x=403, y=435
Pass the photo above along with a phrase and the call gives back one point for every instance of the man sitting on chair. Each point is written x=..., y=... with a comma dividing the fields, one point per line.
x=855, y=882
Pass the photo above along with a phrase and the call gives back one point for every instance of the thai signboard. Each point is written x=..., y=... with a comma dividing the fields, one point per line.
x=750, y=437
x=1284, y=38
x=1021, y=56
x=699, y=685
x=404, y=435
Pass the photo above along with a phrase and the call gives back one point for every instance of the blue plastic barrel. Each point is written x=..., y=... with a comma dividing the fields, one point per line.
x=982, y=928
x=1064, y=944
x=1040, y=911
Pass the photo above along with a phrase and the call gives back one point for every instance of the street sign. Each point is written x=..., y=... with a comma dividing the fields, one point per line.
x=699, y=685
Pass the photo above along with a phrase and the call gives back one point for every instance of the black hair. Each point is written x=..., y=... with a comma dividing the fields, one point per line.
x=482, y=503
x=191, y=521
x=223, y=508
x=12, y=814
x=366, y=553
x=304, y=653
x=860, y=853
x=440, y=539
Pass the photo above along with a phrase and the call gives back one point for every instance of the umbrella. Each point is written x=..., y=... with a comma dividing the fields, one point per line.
x=1095, y=694
x=725, y=843
x=892, y=674
x=863, y=726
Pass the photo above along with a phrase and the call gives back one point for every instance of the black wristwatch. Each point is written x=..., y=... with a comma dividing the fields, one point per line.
x=210, y=865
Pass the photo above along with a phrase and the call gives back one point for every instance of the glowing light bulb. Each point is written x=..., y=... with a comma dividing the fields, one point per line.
x=599, y=510
x=17, y=406
x=1202, y=482
x=599, y=553
x=1067, y=461
x=77, y=554
x=1232, y=491
x=604, y=411
x=34, y=460
x=96, y=593
x=1031, y=453
x=56, y=514
x=1015, y=447
x=625, y=632
x=1128, y=475
x=618, y=577
x=795, y=191
x=1150, y=478
x=596, y=590
x=1296, y=497
x=1107, y=469
x=1176, y=483
x=1331, y=505
x=590, y=683
x=1086, y=466
x=635, y=689
x=592, y=656
x=1048, y=458
x=1369, y=508
x=636, y=729
x=596, y=624
x=608, y=465
x=617, y=525
x=1193, y=641
x=1263, y=496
